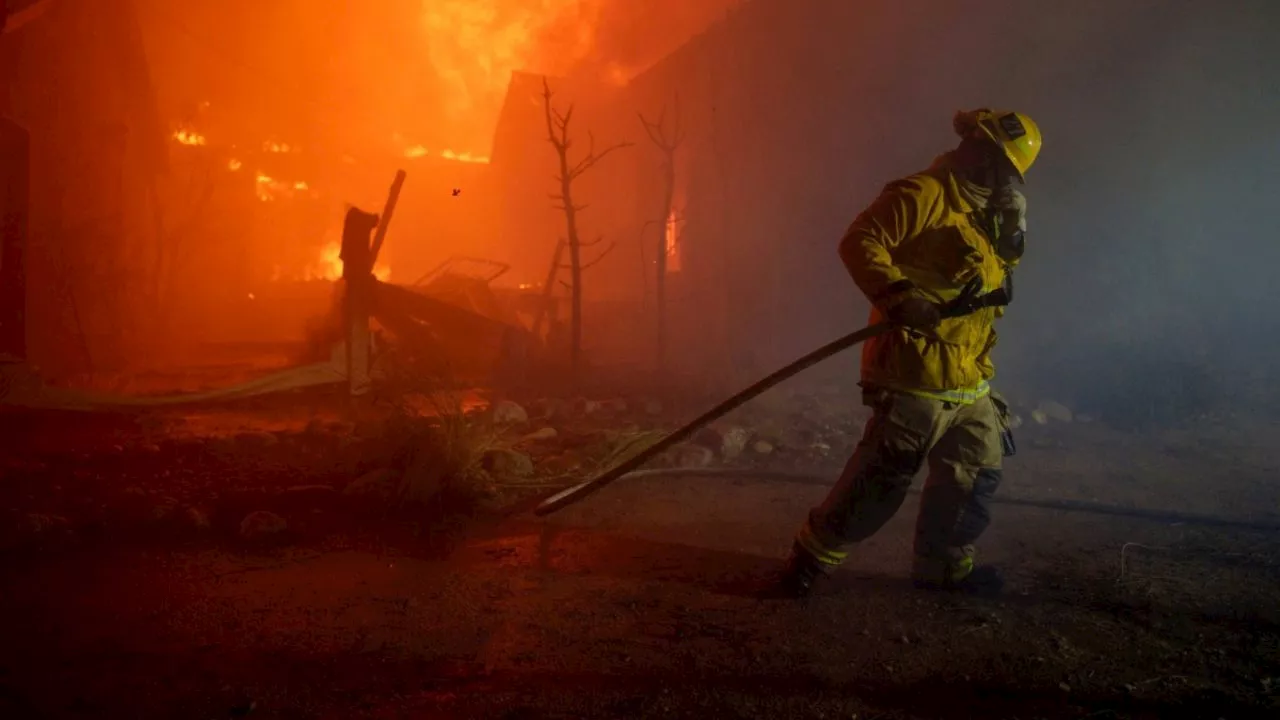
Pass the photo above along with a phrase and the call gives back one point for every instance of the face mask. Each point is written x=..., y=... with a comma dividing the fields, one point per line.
x=1011, y=207
x=1011, y=246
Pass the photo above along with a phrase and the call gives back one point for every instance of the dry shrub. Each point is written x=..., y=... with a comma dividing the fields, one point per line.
x=441, y=446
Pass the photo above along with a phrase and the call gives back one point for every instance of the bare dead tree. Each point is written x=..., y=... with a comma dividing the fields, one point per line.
x=667, y=141
x=558, y=136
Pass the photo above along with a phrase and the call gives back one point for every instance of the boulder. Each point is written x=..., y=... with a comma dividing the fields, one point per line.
x=1055, y=411
x=509, y=413
x=507, y=463
x=262, y=524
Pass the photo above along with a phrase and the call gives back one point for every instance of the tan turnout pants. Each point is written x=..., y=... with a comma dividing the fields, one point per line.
x=962, y=445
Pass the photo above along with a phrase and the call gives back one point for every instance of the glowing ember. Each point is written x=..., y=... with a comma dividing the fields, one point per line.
x=189, y=137
x=264, y=186
x=273, y=147
x=234, y=165
x=268, y=188
x=416, y=151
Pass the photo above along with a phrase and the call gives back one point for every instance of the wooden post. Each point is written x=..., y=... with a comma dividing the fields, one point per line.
x=357, y=278
x=15, y=195
x=388, y=210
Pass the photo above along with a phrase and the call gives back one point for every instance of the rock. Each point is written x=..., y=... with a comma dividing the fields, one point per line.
x=1055, y=411
x=708, y=438
x=550, y=408
x=689, y=455
x=565, y=462
x=546, y=433
x=262, y=524
x=381, y=483
x=310, y=495
x=1039, y=417
x=507, y=463
x=509, y=413
x=1084, y=419
x=257, y=439
x=198, y=518
x=583, y=406
x=762, y=447
x=616, y=406
x=1015, y=421
x=653, y=407
x=734, y=442
x=150, y=448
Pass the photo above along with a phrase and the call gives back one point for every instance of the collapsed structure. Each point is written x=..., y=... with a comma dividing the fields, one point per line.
x=794, y=112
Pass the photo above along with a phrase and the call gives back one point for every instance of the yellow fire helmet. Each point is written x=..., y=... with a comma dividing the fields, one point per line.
x=1015, y=133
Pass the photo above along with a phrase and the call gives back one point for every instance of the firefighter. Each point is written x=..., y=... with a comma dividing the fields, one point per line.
x=961, y=223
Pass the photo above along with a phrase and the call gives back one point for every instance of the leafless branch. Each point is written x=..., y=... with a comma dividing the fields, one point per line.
x=597, y=241
x=593, y=157
x=657, y=131
x=603, y=254
x=653, y=130
x=677, y=134
x=557, y=142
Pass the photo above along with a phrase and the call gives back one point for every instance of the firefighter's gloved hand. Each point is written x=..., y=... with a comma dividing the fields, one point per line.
x=916, y=313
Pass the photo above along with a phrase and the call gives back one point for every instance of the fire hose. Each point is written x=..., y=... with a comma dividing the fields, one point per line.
x=970, y=300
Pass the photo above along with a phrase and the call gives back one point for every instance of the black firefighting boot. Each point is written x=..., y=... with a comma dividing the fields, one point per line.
x=959, y=576
x=798, y=576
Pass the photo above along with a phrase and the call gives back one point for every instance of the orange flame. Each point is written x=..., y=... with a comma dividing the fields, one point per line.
x=475, y=45
x=329, y=266
x=269, y=189
x=418, y=151
x=673, y=242
x=189, y=137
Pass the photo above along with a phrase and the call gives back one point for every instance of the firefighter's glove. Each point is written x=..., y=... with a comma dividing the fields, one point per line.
x=915, y=312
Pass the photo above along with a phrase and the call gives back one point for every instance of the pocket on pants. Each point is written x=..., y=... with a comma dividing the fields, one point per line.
x=1005, y=419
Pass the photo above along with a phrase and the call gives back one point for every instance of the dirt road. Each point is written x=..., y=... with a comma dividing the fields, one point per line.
x=637, y=603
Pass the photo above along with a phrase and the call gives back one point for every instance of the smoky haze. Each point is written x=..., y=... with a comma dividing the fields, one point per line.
x=1144, y=295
